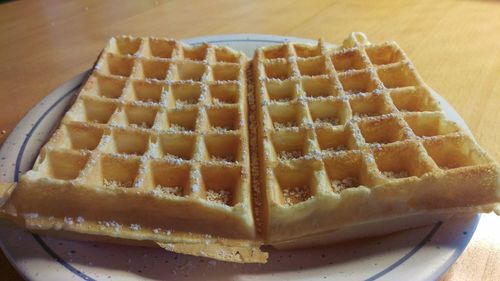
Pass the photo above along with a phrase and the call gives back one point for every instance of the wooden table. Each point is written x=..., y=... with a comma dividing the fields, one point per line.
x=454, y=44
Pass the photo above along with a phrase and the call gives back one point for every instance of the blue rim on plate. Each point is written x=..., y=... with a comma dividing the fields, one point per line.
x=266, y=39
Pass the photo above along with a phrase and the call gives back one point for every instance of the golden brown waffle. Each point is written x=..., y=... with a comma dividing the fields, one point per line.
x=346, y=142
x=155, y=147
x=352, y=143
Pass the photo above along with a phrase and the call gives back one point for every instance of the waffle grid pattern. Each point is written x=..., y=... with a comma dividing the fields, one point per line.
x=159, y=116
x=338, y=118
x=168, y=139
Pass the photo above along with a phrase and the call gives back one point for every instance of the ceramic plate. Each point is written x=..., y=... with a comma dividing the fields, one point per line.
x=422, y=254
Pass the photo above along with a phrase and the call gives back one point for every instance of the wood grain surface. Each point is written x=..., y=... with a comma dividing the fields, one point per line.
x=455, y=45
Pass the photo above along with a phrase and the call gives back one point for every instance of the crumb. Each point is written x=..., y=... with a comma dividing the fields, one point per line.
x=112, y=224
x=143, y=125
x=221, y=129
x=68, y=220
x=341, y=184
x=218, y=101
x=280, y=100
x=295, y=195
x=172, y=156
x=182, y=102
x=31, y=215
x=336, y=148
x=396, y=175
x=282, y=125
x=287, y=155
x=219, y=196
x=225, y=158
x=177, y=127
x=363, y=115
x=172, y=190
x=135, y=226
x=329, y=120
x=107, y=182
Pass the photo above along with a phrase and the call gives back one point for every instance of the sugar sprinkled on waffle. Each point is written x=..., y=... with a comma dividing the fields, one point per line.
x=339, y=124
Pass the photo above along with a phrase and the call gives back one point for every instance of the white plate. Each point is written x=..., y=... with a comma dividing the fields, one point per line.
x=422, y=254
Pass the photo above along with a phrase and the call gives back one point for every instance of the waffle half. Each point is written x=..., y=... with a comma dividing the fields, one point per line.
x=155, y=147
x=352, y=144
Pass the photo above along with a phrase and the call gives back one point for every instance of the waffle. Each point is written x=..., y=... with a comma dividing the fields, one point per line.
x=352, y=144
x=155, y=147
x=166, y=144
